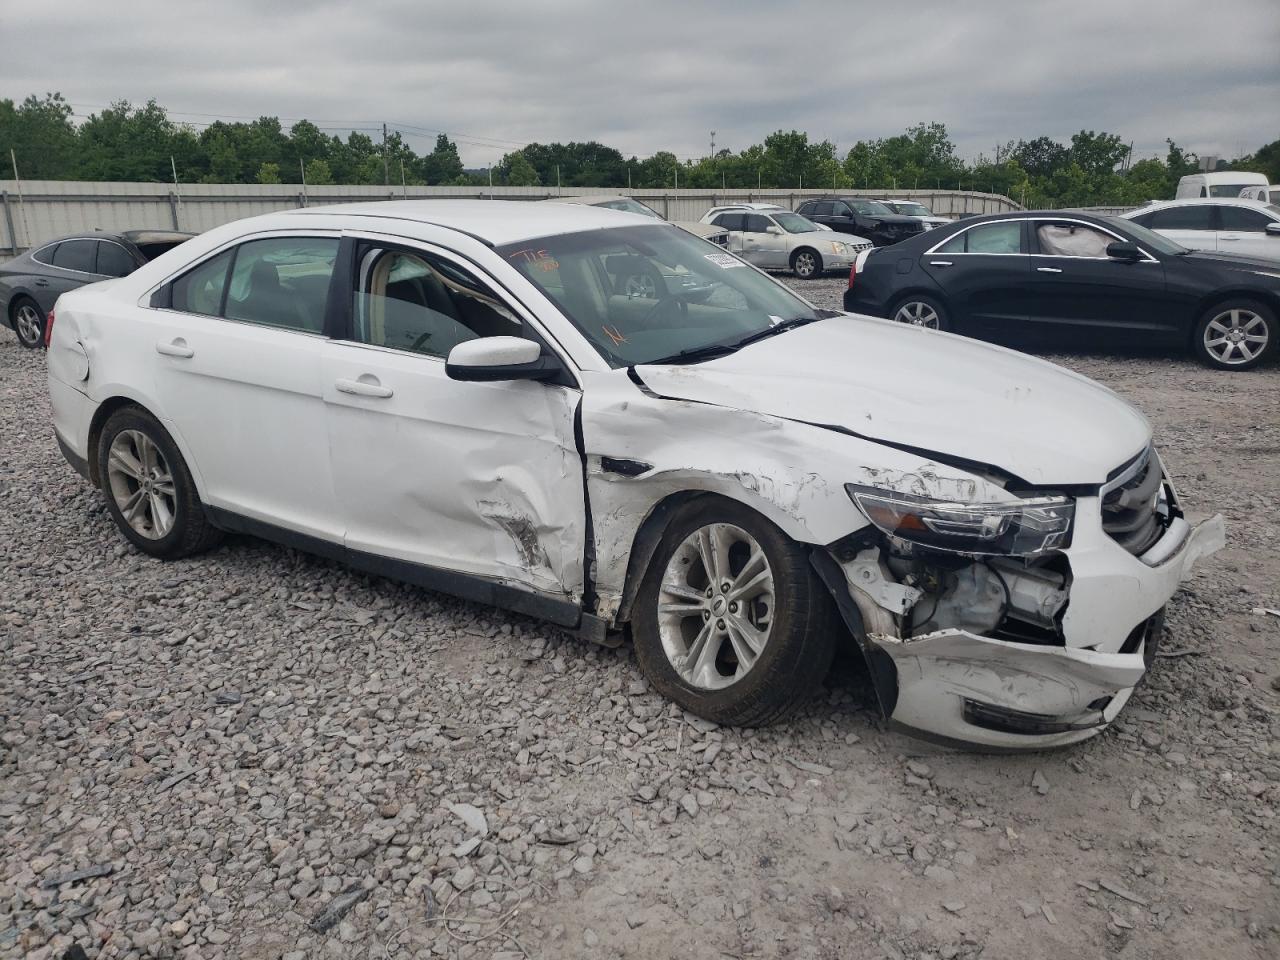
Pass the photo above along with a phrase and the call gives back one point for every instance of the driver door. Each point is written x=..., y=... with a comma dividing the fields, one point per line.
x=482, y=479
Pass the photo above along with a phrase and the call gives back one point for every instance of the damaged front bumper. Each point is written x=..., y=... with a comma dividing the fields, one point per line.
x=966, y=689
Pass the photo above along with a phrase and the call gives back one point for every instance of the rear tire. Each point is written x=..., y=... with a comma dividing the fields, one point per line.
x=806, y=263
x=28, y=322
x=149, y=490
x=919, y=310
x=786, y=632
x=1235, y=334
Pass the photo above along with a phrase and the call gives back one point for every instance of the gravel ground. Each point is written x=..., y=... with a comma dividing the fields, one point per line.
x=257, y=754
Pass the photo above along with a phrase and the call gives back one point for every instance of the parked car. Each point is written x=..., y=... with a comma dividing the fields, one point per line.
x=1267, y=194
x=863, y=218
x=1227, y=225
x=1054, y=278
x=450, y=393
x=774, y=238
x=31, y=283
x=632, y=205
x=917, y=211
x=1227, y=183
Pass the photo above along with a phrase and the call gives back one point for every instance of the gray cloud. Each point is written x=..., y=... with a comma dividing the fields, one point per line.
x=661, y=75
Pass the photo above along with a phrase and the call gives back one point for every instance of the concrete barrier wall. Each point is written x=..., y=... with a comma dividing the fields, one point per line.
x=36, y=211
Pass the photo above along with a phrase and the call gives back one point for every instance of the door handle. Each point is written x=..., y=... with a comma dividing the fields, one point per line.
x=176, y=347
x=1228, y=238
x=42, y=283
x=364, y=388
x=1048, y=270
x=939, y=263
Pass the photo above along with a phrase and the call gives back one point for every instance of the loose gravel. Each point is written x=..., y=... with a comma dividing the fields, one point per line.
x=258, y=754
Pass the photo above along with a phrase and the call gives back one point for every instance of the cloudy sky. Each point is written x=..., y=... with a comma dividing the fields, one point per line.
x=647, y=76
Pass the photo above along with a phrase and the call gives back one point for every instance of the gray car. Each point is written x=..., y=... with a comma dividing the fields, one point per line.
x=31, y=284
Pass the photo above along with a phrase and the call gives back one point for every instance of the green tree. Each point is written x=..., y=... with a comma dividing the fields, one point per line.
x=1040, y=157
x=1097, y=153
x=442, y=165
x=518, y=171
x=128, y=143
x=40, y=134
x=318, y=173
x=269, y=173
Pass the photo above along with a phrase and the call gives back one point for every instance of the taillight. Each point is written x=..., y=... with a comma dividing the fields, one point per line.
x=48, y=329
x=853, y=272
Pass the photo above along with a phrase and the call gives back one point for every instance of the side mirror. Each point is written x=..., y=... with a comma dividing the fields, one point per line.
x=1123, y=250
x=500, y=358
x=776, y=231
x=1273, y=228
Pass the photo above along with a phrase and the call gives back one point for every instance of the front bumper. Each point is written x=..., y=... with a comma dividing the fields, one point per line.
x=971, y=690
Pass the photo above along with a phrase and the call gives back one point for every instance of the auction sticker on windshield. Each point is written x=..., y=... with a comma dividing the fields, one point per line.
x=724, y=260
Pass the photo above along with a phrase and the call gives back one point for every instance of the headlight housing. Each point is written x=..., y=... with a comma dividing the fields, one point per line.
x=837, y=247
x=1018, y=528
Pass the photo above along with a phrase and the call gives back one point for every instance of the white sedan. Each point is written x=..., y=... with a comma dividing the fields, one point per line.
x=1232, y=225
x=457, y=394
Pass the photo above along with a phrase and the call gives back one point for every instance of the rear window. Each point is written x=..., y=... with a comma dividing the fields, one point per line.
x=76, y=255
x=114, y=260
x=153, y=250
x=1192, y=217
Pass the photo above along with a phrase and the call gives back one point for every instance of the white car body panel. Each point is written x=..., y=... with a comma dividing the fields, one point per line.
x=486, y=479
x=1252, y=243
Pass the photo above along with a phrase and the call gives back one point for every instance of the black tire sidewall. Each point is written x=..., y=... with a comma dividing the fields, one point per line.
x=188, y=509
x=1242, y=303
x=944, y=320
x=817, y=263
x=793, y=642
x=18, y=303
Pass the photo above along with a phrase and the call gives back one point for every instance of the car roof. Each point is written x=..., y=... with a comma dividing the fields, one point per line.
x=496, y=222
x=1229, y=176
x=130, y=236
x=593, y=199
x=751, y=206
x=1196, y=201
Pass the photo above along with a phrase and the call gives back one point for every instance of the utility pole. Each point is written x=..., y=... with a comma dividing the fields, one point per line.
x=713, y=143
x=404, y=186
x=557, y=179
x=628, y=176
x=303, y=168
x=22, y=201
x=386, y=171
x=677, y=174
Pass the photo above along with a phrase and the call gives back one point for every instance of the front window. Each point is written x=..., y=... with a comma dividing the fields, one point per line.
x=1073, y=240
x=794, y=223
x=1147, y=239
x=1243, y=219
x=913, y=209
x=871, y=208
x=627, y=205
x=645, y=294
x=1227, y=189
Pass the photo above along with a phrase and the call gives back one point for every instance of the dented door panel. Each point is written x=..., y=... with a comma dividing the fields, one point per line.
x=477, y=478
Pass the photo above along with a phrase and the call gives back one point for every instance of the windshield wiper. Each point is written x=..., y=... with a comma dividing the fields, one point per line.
x=713, y=350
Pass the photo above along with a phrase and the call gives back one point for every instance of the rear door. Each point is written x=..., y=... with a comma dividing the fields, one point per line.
x=482, y=479
x=1077, y=289
x=984, y=273
x=1244, y=230
x=237, y=346
x=1192, y=225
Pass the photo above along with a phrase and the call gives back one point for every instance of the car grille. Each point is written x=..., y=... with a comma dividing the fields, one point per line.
x=1134, y=514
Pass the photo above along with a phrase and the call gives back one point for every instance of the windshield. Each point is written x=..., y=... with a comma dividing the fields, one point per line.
x=1227, y=189
x=644, y=293
x=631, y=206
x=913, y=209
x=871, y=208
x=794, y=223
x=1147, y=238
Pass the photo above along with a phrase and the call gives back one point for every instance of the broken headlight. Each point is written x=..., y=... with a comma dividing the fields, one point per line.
x=1018, y=528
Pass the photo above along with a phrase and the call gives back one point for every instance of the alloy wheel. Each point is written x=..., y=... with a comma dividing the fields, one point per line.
x=27, y=324
x=142, y=484
x=918, y=314
x=805, y=265
x=1236, y=336
x=716, y=606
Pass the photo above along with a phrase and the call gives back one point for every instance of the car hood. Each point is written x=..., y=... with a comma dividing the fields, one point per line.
x=936, y=392
x=892, y=218
x=1235, y=261
x=703, y=230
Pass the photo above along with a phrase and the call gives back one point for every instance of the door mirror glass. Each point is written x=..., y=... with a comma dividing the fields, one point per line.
x=1123, y=250
x=500, y=358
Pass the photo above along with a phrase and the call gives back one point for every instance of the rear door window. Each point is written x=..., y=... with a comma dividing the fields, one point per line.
x=823, y=208
x=731, y=221
x=1191, y=217
x=282, y=282
x=1003, y=237
x=77, y=255
x=200, y=289
x=1242, y=218
x=114, y=260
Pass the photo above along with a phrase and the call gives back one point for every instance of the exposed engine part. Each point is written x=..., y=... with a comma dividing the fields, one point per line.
x=880, y=598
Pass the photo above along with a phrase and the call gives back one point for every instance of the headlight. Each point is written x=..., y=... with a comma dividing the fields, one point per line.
x=839, y=247
x=1019, y=528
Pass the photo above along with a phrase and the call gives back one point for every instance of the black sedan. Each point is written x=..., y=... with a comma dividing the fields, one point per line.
x=31, y=284
x=870, y=219
x=1052, y=278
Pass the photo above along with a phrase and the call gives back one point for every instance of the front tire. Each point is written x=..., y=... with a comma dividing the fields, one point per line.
x=806, y=264
x=918, y=310
x=731, y=622
x=1235, y=335
x=28, y=322
x=149, y=490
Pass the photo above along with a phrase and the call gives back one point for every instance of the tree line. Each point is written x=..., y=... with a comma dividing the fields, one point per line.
x=141, y=143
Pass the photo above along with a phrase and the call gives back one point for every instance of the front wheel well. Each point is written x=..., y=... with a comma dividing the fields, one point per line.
x=1266, y=298
x=105, y=410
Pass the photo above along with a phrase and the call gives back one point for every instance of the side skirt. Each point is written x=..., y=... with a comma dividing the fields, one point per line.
x=562, y=613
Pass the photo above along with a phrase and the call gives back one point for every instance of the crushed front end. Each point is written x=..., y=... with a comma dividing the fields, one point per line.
x=1021, y=624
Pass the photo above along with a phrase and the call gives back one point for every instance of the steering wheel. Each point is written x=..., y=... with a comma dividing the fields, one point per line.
x=651, y=314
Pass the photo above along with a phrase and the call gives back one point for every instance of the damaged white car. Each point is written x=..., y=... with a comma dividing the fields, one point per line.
x=456, y=394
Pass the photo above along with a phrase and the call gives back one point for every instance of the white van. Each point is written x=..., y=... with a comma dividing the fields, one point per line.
x=1227, y=183
x=1269, y=194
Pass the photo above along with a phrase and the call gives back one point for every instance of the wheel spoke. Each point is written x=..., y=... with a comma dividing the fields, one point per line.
x=161, y=515
x=1217, y=327
x=747, y=641
x=702, y=654
x=754, y=578
x=134, y=505
x=125, y=462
